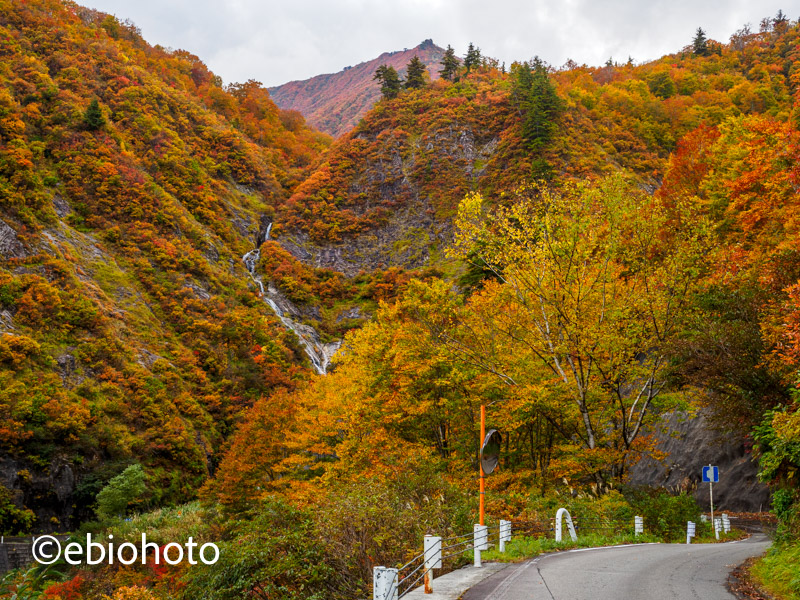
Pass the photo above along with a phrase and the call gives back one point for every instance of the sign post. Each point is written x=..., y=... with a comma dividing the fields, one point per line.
x=711, y=475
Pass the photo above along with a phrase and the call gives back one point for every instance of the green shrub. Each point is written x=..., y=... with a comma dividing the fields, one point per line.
x=275, y=554
x=13, y=520
x=122, y=492
x=665, y=515
x=782, y=502
x=779, y=571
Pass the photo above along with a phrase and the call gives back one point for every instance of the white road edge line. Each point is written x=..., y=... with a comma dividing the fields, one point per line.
x=629, y=546
x=607, y=547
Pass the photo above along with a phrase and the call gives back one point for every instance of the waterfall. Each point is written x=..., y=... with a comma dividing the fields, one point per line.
x=319, y=353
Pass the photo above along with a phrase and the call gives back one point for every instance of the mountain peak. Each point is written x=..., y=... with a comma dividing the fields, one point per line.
x=335, y=102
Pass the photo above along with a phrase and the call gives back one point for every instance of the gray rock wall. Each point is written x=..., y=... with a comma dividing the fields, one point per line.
x=690, y=445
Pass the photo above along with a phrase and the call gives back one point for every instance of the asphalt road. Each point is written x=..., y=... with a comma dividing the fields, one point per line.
x=640, y=572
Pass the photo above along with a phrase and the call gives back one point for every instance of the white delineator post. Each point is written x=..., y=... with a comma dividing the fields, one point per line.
x=384, y=583
x=480, y=541
x=689, y=531
x=433, y=559
x=505, y=534
x=638, y=525
x=563, y=512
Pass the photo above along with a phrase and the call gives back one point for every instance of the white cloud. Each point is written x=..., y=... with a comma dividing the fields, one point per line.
x=275, y=42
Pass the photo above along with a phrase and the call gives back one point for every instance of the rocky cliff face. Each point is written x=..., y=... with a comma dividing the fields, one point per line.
x=335, y=102
x=387, y=192
x=690, y=445
x=50, y=491
x=410, y=231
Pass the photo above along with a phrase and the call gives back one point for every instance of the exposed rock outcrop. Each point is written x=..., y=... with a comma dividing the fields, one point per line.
x=48, y=492
x=10, y=246
x=690, y=445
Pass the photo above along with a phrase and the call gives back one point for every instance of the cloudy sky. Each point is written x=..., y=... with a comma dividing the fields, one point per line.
x=275, y=42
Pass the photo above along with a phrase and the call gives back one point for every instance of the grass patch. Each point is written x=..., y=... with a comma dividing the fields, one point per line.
x=163, y=525
x=706, y=536
x=779, y=571
x=523, y=547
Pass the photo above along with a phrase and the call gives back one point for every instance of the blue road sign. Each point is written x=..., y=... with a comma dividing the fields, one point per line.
x=710, y=474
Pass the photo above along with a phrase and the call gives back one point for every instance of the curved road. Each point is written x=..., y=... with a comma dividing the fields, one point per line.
x=639, y=572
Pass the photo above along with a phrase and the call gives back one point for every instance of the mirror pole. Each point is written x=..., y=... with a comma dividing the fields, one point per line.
x=480, y=462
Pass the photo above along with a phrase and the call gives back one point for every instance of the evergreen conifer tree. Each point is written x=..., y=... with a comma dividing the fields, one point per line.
x=450, y=64
x=389, y=80
x=700, y=43
x=539, y=106
x=473, y=58
x=93, y=117
x=415, y=74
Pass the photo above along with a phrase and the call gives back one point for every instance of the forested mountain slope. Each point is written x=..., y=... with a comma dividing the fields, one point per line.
x=602, y=246
x=389, y=188
x=131, y=185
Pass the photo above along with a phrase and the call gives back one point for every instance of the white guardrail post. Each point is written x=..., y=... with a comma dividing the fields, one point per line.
x=563, y=512
x=689, y=531
x=480, y=541
x=433, y=559
x=505, y=534
x=384, y=583
x=638, y=525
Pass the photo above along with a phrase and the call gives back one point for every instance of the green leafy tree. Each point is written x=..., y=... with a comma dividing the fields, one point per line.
x=450, y=64
x=473, y=58
x=121, y=492
x=700, y=43
x=390, y=81
x=778, y=441
x=415, y=74
x=661, y=84
x=93, y=117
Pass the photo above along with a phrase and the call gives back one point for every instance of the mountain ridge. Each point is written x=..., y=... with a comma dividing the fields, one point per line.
x=335, y=102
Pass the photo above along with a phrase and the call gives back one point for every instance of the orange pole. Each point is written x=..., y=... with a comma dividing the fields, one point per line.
x=480, y=444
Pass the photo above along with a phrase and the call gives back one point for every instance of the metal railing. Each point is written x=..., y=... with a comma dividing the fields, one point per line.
x=394, y=583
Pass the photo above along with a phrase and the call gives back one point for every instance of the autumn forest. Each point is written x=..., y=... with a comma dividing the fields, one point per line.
x=581, y=249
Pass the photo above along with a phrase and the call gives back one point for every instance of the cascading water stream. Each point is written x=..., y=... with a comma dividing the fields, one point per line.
x=317, y=352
